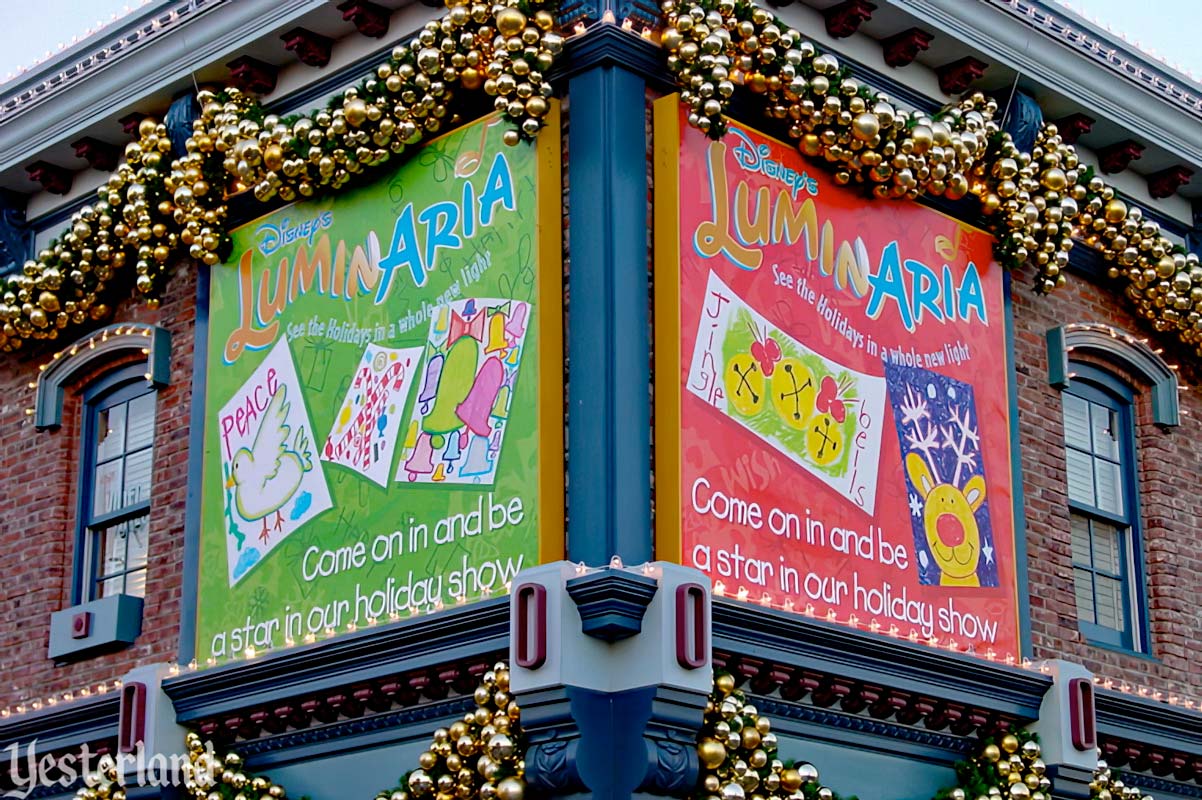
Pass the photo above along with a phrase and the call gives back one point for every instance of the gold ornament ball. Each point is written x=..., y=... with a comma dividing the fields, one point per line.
x=866, y=126
x=510, y=22
x=712, y=753
x=500, y=747
x=992, y=752
x=511, y=789
x=790, y=780
x=1010, y=743
x=1115, y=211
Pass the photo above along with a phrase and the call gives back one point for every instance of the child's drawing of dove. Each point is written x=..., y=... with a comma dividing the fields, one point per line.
x=266, y=476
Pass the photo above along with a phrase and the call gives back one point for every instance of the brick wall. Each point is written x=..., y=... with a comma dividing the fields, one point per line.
x=1169, y=463
x=37, y=510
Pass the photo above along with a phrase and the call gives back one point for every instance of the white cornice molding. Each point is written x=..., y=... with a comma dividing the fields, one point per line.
x=1002, y=37
x=157, y=65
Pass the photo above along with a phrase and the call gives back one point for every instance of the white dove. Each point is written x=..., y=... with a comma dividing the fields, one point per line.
x=266, y=476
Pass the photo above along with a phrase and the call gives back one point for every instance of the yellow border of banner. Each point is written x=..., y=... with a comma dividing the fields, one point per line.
x=549, y=219
x=666, y=242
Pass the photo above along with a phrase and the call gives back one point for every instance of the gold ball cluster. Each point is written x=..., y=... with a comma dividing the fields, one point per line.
x=1035, y=203
x=861, y=133
x=737, y=751
x=480, y=756
x=1031, y=201
x=71, y=280
x=152, y=207
x=1019, y=770
x=209, y=776
x=1107, y=785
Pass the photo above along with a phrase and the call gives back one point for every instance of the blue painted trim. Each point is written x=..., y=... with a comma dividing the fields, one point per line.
x=62, y=726
x=95, y=348
x=475, y=630
x=1134, y=356
x=612, y=603
x=1101, y=387
x=780, y=637
x=1152, y=723
x=196, y=432
x=1018, y=498
x=348, y=735
x=116, y=386
x=609, y=411
x=863, y=732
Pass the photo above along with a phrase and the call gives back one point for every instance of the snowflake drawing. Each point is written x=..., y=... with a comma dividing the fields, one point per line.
x=937, y=429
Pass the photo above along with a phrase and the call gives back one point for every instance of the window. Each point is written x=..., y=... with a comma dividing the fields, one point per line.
x=118, y=439
x=1099, y=445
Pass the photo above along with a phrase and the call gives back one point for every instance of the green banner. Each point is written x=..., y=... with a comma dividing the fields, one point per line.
x=372, y=402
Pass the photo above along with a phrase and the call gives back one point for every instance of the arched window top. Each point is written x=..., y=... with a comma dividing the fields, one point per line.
x=1121, y=349
x=92, y=350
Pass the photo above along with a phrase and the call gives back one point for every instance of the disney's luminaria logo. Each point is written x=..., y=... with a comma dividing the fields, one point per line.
x=276, y=236
x=755, y=158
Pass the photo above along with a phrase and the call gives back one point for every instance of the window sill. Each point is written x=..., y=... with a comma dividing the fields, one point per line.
x=1114, y=648
x=98, y=626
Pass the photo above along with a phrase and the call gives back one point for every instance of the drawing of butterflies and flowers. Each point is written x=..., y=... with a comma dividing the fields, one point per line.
x=806, y=406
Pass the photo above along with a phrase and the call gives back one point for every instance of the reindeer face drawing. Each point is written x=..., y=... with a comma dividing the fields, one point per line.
x=949, y=519
x=942, y=451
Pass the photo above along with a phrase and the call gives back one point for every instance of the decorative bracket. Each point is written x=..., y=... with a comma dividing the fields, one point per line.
x=370, y=18
x=1074, y=126
x=252, y=75
x=844, y=19
x=311, y=49
x=1118, y=156
x=53, y=178
x=612, y=602
x=957, y=76
x=99, y=155
x=902, y=48
x=100, y=346
x=1123, y=349
x=1166, y=182
x=129, y=123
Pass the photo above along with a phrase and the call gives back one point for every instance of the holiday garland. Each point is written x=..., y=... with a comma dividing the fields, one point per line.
x=737, y=751
x=480, y=756
x=206, y=776
x=154, y=208
x=1036, y=203
x=1107, y=784
x=1008, y=767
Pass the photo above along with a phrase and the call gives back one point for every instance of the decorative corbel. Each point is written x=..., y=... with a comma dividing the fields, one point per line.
x=54, y=179
x=252, y=75
x=311, y=48
x=902, y=48
x=1118, y=156
x=370, y=18
x=844, y=19
x=1166, y=182
x=1074, y=126
x=956, y=77
x=99, y=155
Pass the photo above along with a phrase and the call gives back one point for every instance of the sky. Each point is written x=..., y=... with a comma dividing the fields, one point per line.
x=33, y=31
x=1167, y=29
x=28, y=30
